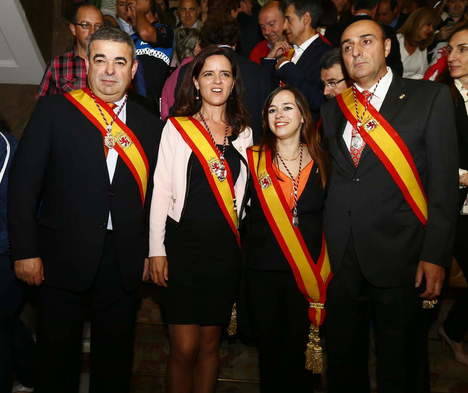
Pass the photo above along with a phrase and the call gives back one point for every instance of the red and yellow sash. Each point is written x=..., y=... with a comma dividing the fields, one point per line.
x=127, y=145
x=195, y=135
x=389, y=147
x=312, y=278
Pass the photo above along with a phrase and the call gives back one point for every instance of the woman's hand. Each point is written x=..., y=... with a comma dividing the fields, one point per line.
x=158, y=270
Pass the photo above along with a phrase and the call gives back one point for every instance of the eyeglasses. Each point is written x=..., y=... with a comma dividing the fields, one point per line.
x=88, y=26
x=332, y=84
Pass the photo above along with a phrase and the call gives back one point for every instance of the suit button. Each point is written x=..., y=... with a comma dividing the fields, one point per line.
x=356, y=179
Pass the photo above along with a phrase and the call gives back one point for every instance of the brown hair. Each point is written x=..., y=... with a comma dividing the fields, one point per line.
x=415, y=22
x=310, y=135
x=188, y=105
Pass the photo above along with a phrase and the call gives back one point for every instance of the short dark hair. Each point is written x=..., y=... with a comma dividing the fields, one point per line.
x=365, y=4
x=107, y=33
x=313, y=7
x=330, y=58
x=219, y=32
x=186, y=103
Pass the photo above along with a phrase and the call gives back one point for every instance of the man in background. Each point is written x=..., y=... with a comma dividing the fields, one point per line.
x=68, y=71
x=333, y=74
x=271, y=22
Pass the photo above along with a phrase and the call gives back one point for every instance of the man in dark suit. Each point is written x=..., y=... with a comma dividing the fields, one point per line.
x=78, y=215
x=367, y=9
x=388, y=245
x=298, y=63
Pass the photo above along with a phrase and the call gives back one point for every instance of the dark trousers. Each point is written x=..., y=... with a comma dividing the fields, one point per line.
x=278, y=313
x=112, y=313
x=456, y=324
x=400, y=329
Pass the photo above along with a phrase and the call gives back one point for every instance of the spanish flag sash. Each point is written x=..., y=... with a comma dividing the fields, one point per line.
x=389, y=147
x=198, y=139
x=311, y=277
x=127, y=145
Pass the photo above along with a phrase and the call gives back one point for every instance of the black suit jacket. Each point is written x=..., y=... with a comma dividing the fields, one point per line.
x=365, y=202
x=304, y=75
x=60, y=195
x=333, y=34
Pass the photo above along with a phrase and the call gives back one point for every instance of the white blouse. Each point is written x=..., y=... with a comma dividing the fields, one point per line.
x=414, y=65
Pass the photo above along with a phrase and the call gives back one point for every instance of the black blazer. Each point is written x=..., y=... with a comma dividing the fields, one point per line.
x=60, y=195
x=260, y=246
x=365, y=203
x=304, y=75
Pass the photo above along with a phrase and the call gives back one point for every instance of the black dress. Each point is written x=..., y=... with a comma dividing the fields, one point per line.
x=203, y=255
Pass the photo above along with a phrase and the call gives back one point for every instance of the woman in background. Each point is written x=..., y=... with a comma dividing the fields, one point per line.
x=187, y=45
x=416, y=34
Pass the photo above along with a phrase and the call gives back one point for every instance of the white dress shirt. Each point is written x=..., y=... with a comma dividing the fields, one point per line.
x=376, y=101
x=112, y=154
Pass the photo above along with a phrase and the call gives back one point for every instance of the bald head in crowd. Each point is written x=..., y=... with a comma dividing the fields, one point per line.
x=271, y=22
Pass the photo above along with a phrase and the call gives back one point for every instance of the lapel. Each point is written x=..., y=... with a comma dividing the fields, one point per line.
x=308, y=51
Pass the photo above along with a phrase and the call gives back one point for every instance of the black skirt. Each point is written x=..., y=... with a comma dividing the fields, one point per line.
x=204, y=261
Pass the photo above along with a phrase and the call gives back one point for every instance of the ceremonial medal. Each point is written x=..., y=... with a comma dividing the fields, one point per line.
x=295, y=218
x=109, y=140
x=218, y=169
x=264, y=181
x=370, y=125
x=357, y=141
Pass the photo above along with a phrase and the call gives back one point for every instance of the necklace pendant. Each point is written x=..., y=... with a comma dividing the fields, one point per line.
x=221, y=172
x=109, y=128
x=295, y=220
x=109, y=141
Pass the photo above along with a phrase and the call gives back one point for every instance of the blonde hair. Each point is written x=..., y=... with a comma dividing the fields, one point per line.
x=417, y=19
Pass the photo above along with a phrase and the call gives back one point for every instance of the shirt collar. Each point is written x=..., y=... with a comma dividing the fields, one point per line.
x=383, y=86
x=120, y=102
x=461, y=89
x=306, y=43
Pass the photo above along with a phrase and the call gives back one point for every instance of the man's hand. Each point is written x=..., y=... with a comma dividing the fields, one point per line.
x=158, y=270
x=30, y=270
x=433, y=276
x=280, y=49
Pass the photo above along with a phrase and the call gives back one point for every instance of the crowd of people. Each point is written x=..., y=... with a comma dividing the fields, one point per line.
x=292, y=172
